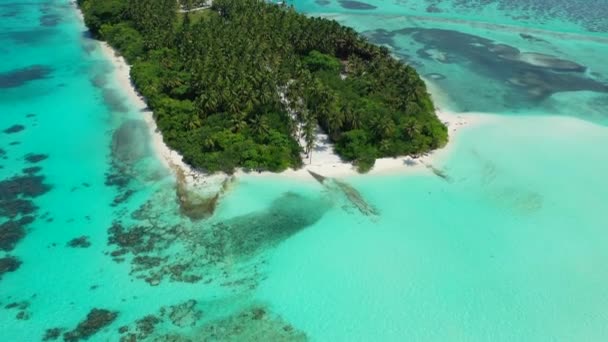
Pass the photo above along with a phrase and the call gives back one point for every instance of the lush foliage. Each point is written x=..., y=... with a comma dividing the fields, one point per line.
x=243, y=84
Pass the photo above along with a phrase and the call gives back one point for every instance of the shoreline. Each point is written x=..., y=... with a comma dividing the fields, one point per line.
x=171, y=159
x=324, y=161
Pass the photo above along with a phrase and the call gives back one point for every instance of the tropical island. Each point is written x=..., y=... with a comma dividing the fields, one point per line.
x=247, y=84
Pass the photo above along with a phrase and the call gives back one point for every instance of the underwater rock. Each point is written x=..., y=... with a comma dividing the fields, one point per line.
x=18, y=305
x=11, y=232
x=35, y=158
x=356, y=5
x=122, y=197
x=79, y=242
x=185, y=314
x=52, y=334
x=12, y=208
x=32, y=170
x=255, y=324
x=15, y=200
x=23, y=315
x=191, y=251
x=146, y=326
x=534, y=76
x=14, y=129
x=26, y=186
x=9, y=264
x=96, y=320
x=433, y=9
x=19, y=77
x=532, y=38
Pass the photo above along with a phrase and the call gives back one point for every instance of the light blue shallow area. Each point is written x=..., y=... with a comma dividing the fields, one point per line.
x=510, y=247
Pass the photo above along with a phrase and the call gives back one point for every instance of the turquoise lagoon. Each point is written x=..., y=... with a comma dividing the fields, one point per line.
x=510, y=245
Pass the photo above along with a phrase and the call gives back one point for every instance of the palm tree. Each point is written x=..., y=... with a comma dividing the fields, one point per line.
x=382, y=126
x=259, y=125
x=209, y=143
x=237, y=121
x=412, y=128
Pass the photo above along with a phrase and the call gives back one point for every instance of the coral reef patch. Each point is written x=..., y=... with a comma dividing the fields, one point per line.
x=96, y=320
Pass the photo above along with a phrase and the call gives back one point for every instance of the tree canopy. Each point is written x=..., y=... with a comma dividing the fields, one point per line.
x=241, y=83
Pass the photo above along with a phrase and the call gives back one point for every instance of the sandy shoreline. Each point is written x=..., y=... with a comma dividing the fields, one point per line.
x=324, y=160
x=206, y=183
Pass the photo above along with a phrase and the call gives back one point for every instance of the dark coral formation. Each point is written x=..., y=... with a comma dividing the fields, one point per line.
x=11, y=232
x=160, y=247
x=146, y=326
x=14, y=129
x=32, y=170
x=356, y=5
x=16, y=205
x=8, y=264
x=52, y=334
x=532, y=77
x=19, y=77
x=22, y=306
x=23, y=315
x=35, y=157
x=255, y=324
x=96, y=320
x=79, y=242
x=184, y=314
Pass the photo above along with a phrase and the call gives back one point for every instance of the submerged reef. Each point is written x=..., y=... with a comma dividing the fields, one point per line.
x=254, y=324
x=532, y=76
x=96, y=320
x=79, y=242
x=22, y=307
x=19, y=77
x=52, y=334
x=35, y=157
x=356, y=5
x=174, y=317
x=14, y=129
x=187, y=322
x=17, y=207
x=161, y=246
x=8, y=264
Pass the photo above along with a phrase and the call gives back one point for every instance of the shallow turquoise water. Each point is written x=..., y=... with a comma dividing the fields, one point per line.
x=511, y=246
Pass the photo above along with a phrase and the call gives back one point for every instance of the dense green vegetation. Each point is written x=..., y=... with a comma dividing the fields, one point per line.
x=244, y=82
